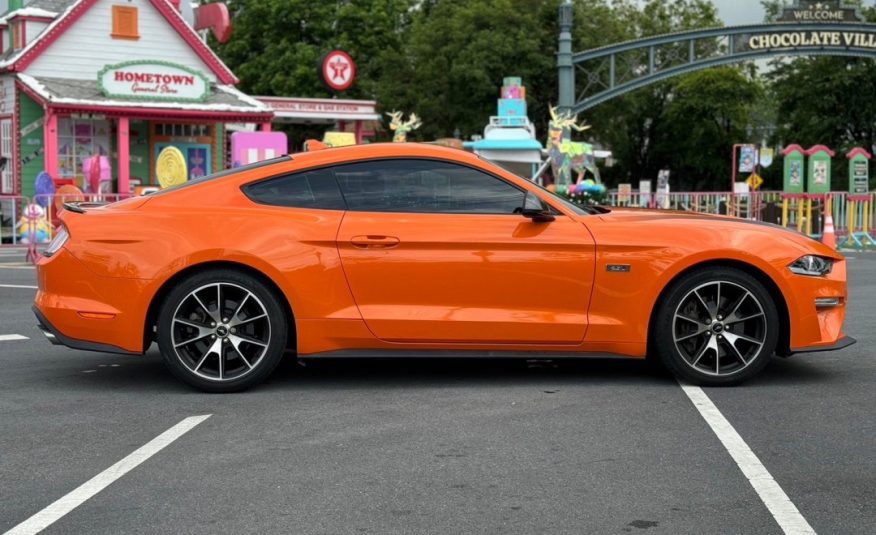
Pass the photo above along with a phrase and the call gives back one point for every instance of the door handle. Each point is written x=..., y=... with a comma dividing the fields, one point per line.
x=374, y=242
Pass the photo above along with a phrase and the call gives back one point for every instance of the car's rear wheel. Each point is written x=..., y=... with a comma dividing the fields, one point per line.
x=222, y=331
x=716, y=326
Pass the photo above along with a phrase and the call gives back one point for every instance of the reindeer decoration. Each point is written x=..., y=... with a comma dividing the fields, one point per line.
x=566, y=155
x=400, y=127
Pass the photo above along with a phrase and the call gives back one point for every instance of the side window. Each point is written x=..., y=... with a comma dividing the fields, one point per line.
x=309, y=189
x=425, y=186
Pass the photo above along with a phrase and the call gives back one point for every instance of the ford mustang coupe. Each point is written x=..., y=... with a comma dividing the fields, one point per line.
x=419, y=250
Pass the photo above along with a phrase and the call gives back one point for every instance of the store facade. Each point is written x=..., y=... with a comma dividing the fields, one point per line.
x=111, y=82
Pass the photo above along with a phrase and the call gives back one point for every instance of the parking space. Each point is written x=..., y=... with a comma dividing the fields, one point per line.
x=601, y=446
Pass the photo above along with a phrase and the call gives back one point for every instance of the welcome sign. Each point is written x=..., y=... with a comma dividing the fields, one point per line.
x=810, y=39
x=153, y=80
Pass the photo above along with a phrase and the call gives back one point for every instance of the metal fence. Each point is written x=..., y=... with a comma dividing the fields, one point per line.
x=854, y=216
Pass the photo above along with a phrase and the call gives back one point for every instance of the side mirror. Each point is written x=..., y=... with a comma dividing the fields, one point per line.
x=536, y=209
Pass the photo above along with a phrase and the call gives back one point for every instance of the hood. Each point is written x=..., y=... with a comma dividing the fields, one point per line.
x=671, y=218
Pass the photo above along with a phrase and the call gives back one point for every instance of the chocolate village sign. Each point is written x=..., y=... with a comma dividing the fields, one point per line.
x=807, y=28
x=811, y=11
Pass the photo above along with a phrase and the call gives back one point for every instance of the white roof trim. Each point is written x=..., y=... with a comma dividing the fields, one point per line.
x=43, y=92
x=28, y=12
x=12, y=59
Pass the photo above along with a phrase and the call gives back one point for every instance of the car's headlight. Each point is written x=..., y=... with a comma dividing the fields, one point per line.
x=812, y=265
x=57, y=242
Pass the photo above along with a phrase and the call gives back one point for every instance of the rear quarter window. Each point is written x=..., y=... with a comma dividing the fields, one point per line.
x=308, y=189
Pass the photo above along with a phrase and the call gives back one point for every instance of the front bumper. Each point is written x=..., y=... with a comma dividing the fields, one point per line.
x=842, y=343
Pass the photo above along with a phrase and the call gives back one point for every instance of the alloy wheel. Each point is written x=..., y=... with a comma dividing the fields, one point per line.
x=220, y=331
x=719, y=328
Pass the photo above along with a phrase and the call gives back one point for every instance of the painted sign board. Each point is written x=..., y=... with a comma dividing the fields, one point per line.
x=644, y=192
x=795, y=158
x=747, y=158
x=819, y=169
x=337, y=70
x=820, y=11
x=252, y=147
x=859, y=171
x=624, y=192
x=153, y=80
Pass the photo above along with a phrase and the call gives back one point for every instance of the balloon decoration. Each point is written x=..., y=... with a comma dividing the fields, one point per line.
x=171, y=167
x=44, y=188
x=67, y=193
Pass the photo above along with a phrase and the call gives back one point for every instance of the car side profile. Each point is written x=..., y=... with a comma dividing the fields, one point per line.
x=417, y=250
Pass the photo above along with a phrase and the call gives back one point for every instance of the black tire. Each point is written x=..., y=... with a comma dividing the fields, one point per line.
x=250, y=340
x=690, y=354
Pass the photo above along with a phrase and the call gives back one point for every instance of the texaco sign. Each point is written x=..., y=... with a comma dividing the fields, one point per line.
x=338, y=70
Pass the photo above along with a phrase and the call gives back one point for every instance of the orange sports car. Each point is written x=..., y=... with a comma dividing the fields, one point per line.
x=420, y=250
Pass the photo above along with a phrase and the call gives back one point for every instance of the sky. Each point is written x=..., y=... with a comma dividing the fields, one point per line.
x=736, y=12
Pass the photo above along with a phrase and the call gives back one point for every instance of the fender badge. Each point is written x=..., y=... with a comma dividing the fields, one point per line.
x=618, y=268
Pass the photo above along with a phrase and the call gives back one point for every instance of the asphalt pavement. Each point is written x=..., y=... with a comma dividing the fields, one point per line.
x=443, y=446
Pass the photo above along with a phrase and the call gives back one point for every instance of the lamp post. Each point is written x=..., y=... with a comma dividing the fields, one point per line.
x=566, y=70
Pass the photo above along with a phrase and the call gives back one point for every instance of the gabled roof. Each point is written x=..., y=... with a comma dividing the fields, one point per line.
x=71, y=10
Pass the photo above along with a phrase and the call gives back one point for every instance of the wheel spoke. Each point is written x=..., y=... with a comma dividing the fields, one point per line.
x=734, y=337
x=699, y=332
x=735, y=350
x=237, y=339
x=685, y=318
x=732, y=320
x=711, y=344
x=247, y=320
x=239, y=308
x=236, y=345
x=707, y=307
x=207, y=310
x=211, y=349
x=219, y=302
x=731, y=317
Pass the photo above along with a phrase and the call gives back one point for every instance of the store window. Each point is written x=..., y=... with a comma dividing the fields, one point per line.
x=18, y=35
x=425, y=186
x=78, y=140
x=6, y=185
x=195, y=141
x=125, y=24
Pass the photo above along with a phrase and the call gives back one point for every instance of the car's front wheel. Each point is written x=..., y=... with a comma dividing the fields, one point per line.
x=222, y=331
x=716, y=326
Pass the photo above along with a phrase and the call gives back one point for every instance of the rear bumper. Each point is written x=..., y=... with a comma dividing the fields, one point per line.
x=54, y=336
x=842, y=343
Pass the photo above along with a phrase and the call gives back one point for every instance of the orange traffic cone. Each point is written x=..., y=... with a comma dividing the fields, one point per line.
x=828, y=237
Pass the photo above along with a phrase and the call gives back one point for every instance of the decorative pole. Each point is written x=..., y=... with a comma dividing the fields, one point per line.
x=564, y=60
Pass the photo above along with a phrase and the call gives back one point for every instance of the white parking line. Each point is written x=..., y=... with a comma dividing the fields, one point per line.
x=771, y=494
x=78, y=496
x=18, y=286
x=10, y=337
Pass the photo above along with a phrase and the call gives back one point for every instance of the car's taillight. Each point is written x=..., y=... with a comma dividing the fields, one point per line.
x=57, y=242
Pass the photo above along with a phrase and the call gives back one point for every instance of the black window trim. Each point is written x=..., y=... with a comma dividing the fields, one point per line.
x=243, y=187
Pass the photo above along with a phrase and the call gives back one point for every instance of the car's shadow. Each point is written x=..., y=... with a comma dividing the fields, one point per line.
x=149, y=374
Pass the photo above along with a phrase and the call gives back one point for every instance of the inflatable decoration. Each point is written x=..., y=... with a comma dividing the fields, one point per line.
x=67, y=193
x=400, y=127
x=567, y=156
x=171, y=167
x=98, y=174
x=33, y=227
x=44, y=188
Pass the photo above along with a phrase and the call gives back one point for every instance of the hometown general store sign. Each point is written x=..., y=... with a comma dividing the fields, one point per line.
x=153, y=80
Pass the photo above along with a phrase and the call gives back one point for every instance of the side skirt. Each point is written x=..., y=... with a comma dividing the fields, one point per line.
x=452, y=354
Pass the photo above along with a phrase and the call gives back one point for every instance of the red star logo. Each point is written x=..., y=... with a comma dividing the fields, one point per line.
x=339, y=69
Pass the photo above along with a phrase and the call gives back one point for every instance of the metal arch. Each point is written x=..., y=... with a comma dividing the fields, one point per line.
x=649, y=71
x=713, y=62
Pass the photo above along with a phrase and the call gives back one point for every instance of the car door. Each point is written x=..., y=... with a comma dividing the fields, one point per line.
x=434, y=253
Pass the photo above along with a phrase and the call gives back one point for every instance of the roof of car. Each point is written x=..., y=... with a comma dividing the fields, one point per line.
x=386, y=150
